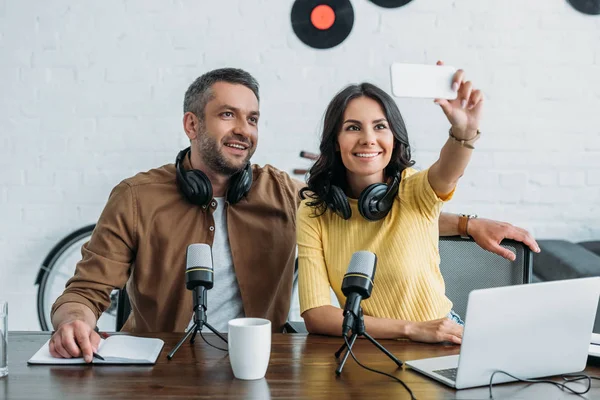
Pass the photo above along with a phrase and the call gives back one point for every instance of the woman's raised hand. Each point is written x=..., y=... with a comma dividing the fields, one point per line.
x=464, y=112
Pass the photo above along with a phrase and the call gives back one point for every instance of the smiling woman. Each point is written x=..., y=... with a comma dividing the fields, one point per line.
x=365, y=144
x=363, y=194
x=364, y=140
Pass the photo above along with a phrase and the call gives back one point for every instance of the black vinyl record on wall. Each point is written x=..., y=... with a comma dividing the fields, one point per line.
x=591, y=7
x=322, y=24
x=390, y=3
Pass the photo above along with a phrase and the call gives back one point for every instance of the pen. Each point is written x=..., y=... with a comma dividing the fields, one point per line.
x=98, y=356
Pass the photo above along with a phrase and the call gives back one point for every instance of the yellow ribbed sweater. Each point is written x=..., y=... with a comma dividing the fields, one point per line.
x=408, y=284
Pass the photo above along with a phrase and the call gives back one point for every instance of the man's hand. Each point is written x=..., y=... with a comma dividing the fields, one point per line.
x=74, y=336
x=436, y=331
x=74, y=339
x=488, y=234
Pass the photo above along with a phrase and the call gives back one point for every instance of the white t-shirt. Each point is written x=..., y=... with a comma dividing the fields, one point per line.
x=223, y=301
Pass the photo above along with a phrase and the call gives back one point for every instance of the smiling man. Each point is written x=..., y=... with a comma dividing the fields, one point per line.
x=211, y=194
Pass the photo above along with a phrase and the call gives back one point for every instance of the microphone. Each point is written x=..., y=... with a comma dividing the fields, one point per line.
x=199, y=277
x=357, y=285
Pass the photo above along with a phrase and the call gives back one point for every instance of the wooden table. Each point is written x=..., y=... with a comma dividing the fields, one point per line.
x=301, y=367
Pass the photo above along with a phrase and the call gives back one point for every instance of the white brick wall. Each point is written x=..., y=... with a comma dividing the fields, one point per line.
x=92, y=92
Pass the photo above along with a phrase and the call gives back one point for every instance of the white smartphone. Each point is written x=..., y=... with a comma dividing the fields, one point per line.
x=423, y=81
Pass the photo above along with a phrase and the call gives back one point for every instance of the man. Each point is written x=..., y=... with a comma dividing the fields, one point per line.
x=212, y=195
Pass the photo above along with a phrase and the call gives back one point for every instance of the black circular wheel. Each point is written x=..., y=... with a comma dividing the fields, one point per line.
x=57, y=268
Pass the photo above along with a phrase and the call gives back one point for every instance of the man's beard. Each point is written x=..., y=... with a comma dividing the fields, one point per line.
x=214, y=159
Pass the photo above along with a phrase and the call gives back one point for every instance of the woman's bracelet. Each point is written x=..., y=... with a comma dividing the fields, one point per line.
x=468, y=143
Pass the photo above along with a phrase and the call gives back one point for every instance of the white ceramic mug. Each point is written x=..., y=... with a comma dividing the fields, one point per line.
x=249, y=343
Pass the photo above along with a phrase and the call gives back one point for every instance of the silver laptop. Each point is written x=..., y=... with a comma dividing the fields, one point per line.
x=530, y=331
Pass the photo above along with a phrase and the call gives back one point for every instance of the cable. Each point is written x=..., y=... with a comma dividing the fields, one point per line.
x=412, y=396
x=561, y=386
x=211, y=345
x=582, y=376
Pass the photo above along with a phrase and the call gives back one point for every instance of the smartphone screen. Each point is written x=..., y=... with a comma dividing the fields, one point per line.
x=423, y=81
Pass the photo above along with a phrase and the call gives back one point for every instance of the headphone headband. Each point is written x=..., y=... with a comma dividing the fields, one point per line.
x=385, y=203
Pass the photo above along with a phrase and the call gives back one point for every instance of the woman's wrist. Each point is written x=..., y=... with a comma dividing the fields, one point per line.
x=463, y=134
x=461, y=140
x=404, y=328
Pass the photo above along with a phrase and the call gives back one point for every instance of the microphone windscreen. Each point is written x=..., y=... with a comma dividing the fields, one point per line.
x=363, y=262
x=199, y=255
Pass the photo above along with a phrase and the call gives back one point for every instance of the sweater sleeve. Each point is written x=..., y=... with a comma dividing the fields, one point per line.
x=107, y=257
x=416, y=190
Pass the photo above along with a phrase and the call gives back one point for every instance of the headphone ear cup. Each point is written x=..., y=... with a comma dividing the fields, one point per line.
x=194, y=184
x=239, y=185
x=198, y=189
x=369, y=199
x=339, y=203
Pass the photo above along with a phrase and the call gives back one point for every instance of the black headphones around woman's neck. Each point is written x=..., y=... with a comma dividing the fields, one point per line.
x=196, y=186
x=374, y=203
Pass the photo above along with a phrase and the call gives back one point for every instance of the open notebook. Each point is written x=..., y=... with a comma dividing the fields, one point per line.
x=117, y=349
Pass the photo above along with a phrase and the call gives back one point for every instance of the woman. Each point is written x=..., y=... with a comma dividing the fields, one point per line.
x=365, y=155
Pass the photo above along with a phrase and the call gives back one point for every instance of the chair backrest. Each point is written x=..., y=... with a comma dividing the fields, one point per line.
x=465, y=266
x=123, y=309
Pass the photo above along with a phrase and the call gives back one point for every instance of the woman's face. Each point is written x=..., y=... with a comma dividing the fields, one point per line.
x=365, y=141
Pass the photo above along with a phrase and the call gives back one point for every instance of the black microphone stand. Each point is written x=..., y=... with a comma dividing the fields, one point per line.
x=359, y=330
x=199, y=323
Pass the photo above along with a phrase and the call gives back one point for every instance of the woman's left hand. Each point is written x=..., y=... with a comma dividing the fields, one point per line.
x=464, y=112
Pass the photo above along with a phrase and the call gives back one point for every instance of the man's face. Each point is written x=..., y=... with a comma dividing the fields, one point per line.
x=229, y=134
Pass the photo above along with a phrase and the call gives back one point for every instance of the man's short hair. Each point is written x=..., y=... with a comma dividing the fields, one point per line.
x=200, y=91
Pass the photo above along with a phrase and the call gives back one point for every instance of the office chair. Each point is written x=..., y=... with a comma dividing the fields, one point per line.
x=123, y=309
x=465, y=267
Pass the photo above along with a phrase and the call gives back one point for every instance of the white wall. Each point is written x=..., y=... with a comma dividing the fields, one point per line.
x=92, y=91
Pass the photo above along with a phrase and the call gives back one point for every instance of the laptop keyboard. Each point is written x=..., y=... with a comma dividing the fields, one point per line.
x=449, y=373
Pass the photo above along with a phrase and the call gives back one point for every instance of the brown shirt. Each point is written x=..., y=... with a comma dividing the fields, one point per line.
x=143, y=233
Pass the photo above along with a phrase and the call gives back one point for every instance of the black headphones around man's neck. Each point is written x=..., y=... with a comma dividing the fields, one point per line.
x=196, y=186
